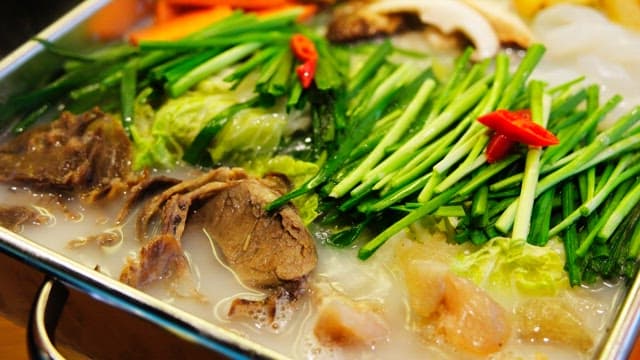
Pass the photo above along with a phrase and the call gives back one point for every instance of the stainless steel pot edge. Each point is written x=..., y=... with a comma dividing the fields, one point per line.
x=114, y=293
x=56, y=30
x=622, y=337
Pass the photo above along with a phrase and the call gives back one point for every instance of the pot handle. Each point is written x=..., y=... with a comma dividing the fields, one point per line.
x=43, y=320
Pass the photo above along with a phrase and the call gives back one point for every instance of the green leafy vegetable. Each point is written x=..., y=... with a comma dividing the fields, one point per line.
x=392, y=136
x=252, y=133
x=506, y=264
x=298, y=172
x=182, y=118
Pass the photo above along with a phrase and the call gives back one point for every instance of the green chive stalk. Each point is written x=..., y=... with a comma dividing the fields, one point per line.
x=393, y=135
x=432, y=129
x=622, y=172
x=211, y=67
x=540, y=104
x=622, y=209
x=594, y=232
x=570, y=235
x=426, y=209
x=597, y=151
x=371, y=65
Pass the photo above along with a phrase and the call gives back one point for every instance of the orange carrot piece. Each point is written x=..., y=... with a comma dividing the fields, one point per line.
x=307, y=10
x=181, y=26
x=244, y=4
x=115, y=18
x=164, y=11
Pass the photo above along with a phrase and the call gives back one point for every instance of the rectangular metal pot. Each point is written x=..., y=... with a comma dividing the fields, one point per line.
x=106, y=319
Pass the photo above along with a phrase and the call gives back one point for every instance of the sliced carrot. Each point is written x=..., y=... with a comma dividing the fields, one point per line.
x=182, y=25
x=244, y=4
x=164, y=11
x=115, y=18
x=306, y=10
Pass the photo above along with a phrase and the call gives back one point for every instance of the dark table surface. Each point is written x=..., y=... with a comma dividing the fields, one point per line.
x=21, y=19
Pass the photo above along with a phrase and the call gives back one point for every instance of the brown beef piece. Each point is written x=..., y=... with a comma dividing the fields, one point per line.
x=161, y=258
x=352, y=21
x=74, y=153
x=198, y=188
x=139, y=190
x=13, y=217
x=264, y=249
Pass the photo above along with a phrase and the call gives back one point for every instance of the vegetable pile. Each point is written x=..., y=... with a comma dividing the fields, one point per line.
x=393, y=137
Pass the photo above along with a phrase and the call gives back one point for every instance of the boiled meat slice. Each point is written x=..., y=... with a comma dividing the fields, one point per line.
x=265, y=249
x=88, y=153
x=162, y=258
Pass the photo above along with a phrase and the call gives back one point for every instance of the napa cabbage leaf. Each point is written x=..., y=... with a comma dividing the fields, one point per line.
x=506, y=264
x=298, y=172
x=252, y=133
x=160, y=136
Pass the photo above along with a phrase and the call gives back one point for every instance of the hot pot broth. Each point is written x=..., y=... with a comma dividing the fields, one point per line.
x=380, y=283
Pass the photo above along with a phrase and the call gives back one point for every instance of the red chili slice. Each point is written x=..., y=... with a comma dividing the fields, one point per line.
x=306, y=72
x=517, y=126
x=498, y=147
x=305, y=51
x=303, y=48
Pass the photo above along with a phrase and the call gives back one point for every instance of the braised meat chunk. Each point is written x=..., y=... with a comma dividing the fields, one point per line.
x=266, y=250
x=84, y=153
x=160, y=259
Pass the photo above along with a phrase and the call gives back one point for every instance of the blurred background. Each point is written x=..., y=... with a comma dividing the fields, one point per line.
x=21, y=19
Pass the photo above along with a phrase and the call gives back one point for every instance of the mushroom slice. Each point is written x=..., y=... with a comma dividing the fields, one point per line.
x=509, y=27
x=448, y=16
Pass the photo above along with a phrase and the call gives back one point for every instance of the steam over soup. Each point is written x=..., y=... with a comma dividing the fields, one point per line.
x=339, y=199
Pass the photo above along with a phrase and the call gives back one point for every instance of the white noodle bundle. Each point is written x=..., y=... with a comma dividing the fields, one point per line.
x=582, y=41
